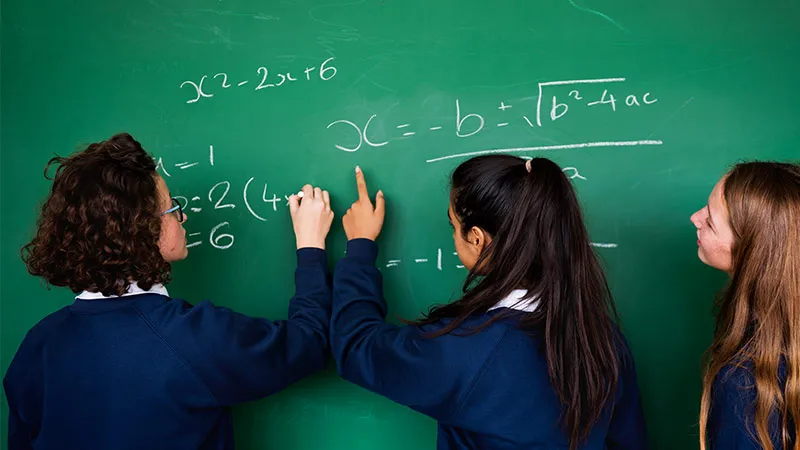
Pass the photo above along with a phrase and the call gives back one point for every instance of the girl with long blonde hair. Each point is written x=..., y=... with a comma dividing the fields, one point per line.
x=750, y=229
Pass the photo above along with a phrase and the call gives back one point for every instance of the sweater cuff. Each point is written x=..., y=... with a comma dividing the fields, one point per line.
x=308, y=256
x=363, y=250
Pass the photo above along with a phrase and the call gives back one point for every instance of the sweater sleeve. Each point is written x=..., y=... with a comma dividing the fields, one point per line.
x=241, y=358
x=20, y=433
x=23, y=394
x=396, y=362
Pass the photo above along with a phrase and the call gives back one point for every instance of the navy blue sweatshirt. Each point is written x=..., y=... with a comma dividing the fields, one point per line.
x=149, y=372
x=488, y=390
x=731, y=425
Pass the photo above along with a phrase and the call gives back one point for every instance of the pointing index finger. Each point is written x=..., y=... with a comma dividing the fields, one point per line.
x=363, y=194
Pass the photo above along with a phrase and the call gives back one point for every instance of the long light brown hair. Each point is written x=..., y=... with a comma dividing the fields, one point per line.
x=758, y=320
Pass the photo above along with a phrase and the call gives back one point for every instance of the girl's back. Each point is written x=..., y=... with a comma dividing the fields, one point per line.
x=530, y=356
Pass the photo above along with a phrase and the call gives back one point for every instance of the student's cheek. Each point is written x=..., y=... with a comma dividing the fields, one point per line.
x=713, y=254
x=179, y=240
x=183, y=250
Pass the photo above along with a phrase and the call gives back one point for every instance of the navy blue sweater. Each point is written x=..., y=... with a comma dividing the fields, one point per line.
x=488, y=390
x=731, y=425
x=150, y=372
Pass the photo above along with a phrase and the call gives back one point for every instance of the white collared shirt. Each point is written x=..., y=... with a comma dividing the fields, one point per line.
x=133, y=289
x=515, y=300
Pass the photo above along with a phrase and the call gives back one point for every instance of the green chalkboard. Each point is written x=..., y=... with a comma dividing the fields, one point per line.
x=644, y=103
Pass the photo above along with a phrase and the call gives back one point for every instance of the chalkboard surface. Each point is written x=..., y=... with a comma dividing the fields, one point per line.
x=643, y=103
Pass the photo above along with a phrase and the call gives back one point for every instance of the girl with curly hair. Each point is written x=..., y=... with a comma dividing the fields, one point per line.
x=126, y=366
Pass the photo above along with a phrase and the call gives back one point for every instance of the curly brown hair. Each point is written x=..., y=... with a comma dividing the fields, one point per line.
x=99, y=227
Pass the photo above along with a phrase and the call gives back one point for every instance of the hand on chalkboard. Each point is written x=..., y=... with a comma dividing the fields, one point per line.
x=363, y=220
x=311, y=217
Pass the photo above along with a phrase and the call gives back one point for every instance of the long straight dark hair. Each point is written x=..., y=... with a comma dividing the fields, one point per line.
x=539, y=243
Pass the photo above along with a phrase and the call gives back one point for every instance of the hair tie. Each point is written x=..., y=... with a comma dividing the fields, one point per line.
x=528, y=165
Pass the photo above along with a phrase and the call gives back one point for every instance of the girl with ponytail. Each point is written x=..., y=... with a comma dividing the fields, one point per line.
x=530, y=356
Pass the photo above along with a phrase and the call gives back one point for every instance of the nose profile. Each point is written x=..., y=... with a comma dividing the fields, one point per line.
x=696, y=219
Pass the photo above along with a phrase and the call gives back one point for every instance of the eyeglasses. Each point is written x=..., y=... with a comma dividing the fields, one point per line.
x=176, y=208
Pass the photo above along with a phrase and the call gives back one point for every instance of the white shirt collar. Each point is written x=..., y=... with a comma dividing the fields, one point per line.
x=516, y=300
x=133, y=289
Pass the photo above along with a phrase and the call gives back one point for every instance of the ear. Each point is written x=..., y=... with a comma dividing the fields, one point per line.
x=478, y=239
